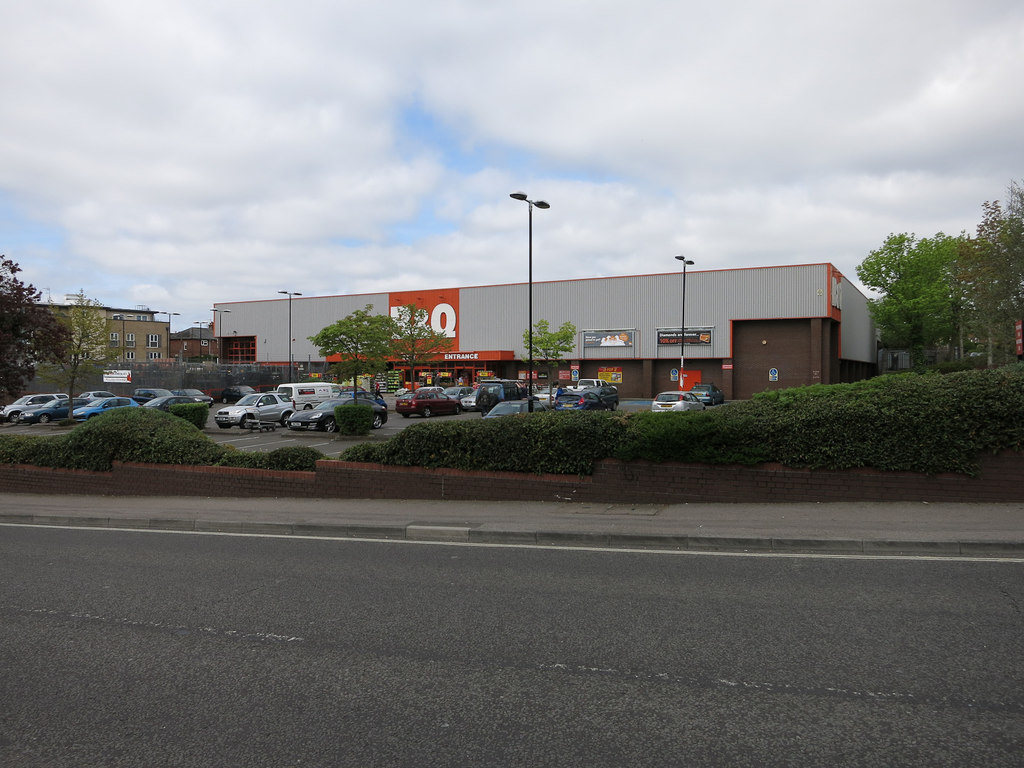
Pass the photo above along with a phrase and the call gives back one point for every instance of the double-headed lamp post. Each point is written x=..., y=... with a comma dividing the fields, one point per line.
x=291, y=362
x=529, y=382
x=682, y=326
x=216, y=328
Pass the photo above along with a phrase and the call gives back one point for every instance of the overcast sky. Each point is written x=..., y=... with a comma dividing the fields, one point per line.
x=176, y=154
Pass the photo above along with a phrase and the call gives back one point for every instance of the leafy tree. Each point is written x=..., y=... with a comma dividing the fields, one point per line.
x=550, y=347
x=86, y=351
x=993, y=263
x=919, y=305
x=29, y=332
x=415, y=342
x=362, y=340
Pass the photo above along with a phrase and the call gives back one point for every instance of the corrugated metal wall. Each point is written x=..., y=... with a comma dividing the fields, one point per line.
x=495, y=317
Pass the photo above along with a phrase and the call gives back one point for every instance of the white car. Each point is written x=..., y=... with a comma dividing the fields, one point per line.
x=675, y=400
x=257, y=407
x=469, y=401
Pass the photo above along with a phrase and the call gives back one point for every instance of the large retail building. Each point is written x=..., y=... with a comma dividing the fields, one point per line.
x=747, y=330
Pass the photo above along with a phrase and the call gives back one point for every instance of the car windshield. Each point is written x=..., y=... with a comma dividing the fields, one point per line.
x=249, y=399
x=700, y=388
x=669, y=397
x=329, y=405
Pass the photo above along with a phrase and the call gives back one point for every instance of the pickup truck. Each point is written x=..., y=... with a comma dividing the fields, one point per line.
x=581, y=384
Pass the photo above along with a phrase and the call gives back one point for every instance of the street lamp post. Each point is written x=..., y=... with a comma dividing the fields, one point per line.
x=216, y=328
x=291, y=363
x=529, y=381
x=682, y=326
x=169, y=316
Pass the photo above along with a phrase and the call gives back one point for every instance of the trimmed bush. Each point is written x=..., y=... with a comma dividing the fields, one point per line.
x=139, y=435
x=355, y=419
x=233, y=457
x=193, y=413
x=294, y=457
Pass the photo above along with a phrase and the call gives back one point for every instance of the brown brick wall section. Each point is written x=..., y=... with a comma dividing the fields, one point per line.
x=612, y=482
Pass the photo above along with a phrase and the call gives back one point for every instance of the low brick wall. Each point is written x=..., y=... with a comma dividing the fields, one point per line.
x=1001, y=480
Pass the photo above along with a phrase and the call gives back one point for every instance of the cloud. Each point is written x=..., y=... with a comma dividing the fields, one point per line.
x=183, y=153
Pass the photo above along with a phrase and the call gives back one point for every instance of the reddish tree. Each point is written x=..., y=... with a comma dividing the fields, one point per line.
x=29, y=332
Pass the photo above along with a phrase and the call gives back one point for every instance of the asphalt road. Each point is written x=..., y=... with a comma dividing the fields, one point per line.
x=163, y=649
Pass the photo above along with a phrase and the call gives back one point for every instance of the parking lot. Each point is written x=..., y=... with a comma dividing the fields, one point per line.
x=330, y=445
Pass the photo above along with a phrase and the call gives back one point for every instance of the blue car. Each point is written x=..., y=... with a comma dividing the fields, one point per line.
x=96, y=407
x=55, y=411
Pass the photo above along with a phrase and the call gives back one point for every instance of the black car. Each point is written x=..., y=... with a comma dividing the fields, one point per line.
x=144, y=395
x=587, y=400
x=233, y=393
x=196, y=394
x=322, y=417
x=165, y=403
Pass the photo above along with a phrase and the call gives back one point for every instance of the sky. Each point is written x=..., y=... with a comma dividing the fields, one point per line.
x=174, y=153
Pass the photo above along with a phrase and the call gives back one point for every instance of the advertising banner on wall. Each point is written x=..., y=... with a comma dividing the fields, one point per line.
x=611, y=375
x=616, y=338
x=669, y=336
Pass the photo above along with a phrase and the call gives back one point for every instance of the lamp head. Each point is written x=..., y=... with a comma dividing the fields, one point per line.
x=518, y=195
x=541, y=204
x=688, y=262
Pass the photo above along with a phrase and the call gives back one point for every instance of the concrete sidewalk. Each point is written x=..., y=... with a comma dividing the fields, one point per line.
x=838, y=528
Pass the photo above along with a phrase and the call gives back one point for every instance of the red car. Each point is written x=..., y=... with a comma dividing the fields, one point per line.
x=426, y=404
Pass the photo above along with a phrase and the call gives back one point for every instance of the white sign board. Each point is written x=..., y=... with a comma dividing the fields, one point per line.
x=117, y=377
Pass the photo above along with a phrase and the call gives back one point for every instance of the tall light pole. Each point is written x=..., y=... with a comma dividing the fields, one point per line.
x=169, y=316
x=529, y=381
x=216, y=328
x=291, y=363
x=682, y=326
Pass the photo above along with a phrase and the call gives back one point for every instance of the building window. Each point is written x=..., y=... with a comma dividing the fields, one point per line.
x=115, y=339
x=129, y=355
x=153, y=340
x=129, y=339
x=240, y=349
x=153, y=355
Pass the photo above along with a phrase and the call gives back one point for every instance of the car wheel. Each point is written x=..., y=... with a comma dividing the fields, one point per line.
x=458, y=409
x=378, y=421
x=284, y=418
x=223, y=399
x=243, y=421
x=308, y=407
x=329, y=426
x=426, y=413
x=614, y=406
x=44, y=418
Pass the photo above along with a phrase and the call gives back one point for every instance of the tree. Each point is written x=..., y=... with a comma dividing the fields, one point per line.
x=29, y=332
x=994, y=268
x=918, y=308
x=550, y=347
x=362, y=341
x=85, y=352
x=415, y=342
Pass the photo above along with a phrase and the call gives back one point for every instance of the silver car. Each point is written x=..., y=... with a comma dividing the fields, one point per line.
x=257, y=407
x=675, y=400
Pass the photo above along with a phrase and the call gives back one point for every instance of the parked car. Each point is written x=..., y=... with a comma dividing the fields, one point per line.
x=581, y=384
x=708, y=394
x=322, y=417
x=233, y=393
x=165, y=403
x=457, y=393
x=307, y=395
x=469, y=401
x=196, y=394
x=675, y=400
x=97, y=407
x=426, y=404
x=96, y=394
x=260, y=406
x=588, y=400
x=511, y=407
x=12, y=411
x=145, y=394
x=55, y=410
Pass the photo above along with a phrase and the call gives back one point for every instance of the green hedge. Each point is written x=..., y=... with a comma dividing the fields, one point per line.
x=353, y=419
x=909, y=422
x=194, y=413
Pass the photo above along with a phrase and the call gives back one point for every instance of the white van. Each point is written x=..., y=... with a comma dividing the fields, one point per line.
x=308, y=394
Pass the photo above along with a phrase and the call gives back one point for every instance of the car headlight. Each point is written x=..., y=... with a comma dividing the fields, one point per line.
x=314, y=416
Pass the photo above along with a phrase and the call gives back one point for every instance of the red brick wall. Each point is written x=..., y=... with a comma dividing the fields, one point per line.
x=612, y=482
